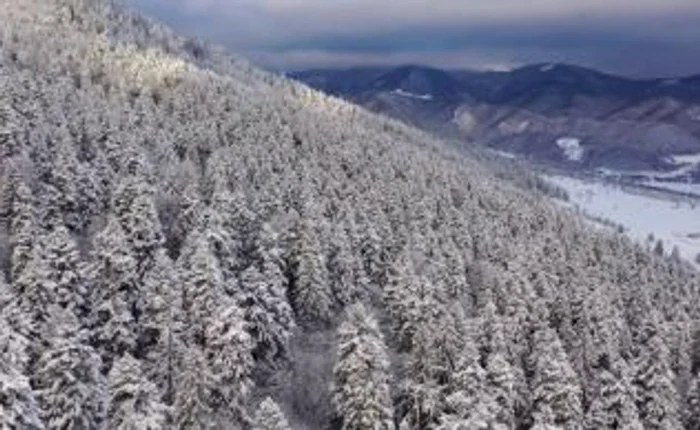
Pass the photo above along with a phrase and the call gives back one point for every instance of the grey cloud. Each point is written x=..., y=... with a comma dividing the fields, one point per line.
x=641, y=37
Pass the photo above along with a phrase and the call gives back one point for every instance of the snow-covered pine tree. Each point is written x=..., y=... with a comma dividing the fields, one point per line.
x=468, y=405
x=18, y=406
x=361, y=374
x=266, y=309
x=194, y=383
x=269, y=416
x=612, y=403
x=113, y=275
x=656, y=394
x=310, y=292
x=23, y=229
x=202, y=288
x=228, y=351
x=161, y=332
x=133, y=205
x=134, y=400
x=67, y=382
x=691, y=416
x=555, y=387
x=60, y=252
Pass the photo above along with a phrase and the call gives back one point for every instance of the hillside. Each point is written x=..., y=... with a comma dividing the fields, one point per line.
x=188, y=242
x=535, y=111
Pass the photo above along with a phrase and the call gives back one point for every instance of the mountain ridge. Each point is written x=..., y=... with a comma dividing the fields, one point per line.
x=526, y=110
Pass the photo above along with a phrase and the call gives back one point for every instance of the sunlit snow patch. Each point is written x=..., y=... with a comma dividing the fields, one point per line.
x=571, y=147
x=402, y=93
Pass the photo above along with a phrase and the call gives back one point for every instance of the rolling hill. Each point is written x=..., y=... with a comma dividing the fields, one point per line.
x=189, y=242
x=617, y=123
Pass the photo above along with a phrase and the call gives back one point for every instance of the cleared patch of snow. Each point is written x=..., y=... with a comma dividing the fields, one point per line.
x=677, y=187
x=675, y=221
x=402, y=93
x=504, y=154
x=547, y=67
x=685, y=159
x=571, y=147
x=694, y=113
x=513, y=127
x=464, y=120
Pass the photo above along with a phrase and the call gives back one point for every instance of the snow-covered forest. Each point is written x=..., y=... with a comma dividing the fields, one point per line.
x=187, y=242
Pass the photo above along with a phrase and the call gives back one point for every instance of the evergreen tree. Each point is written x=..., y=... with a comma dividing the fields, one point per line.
x=161, y=338
x=656, y=395
x=230, y=362
x=61, y=254
x=134, y=400
x=23, y=228
x=310, y=294
x=554, y=385
x=194, y=383
x=361, y=373
x=267, y=311
x=468, y=405
x=269, y=416
x=133, y=205
x=18, y=407
x=692, y=411
x=612, y=403
x=113, y=274
x=68, y=382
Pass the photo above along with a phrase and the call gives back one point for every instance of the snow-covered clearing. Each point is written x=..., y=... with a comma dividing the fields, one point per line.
x=685, y=159
x=402, y=93
x=675, y=221
x=694, y=113
x=504, y=154
x=571, y=147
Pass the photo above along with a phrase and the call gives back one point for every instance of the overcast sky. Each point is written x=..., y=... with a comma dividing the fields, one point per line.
x=631, y=37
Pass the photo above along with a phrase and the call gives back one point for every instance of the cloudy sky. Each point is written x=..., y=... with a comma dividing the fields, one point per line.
x=631, y=37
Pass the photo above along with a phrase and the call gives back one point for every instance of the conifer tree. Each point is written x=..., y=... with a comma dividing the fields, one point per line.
x=192, y=407
x=161, y=335
x=67, y=382
x=310, y=294
x=692, y=408
x=267, y=311
x=269, y=416
x=133, y=205
x=18, y=406
x=656, y=395
x=134, y=402
x=554, y=385
x=468, y=405
x=113, y=273
x=228, y=351
x=361, y=374
x=612, y=402
x=23, y=228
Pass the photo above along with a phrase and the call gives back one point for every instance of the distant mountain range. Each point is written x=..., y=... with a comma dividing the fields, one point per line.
x=556, y=113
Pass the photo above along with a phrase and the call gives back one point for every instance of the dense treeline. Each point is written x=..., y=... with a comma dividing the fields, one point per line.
x=187, y=242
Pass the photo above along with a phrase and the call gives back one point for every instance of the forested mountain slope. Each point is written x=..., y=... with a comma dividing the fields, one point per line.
x=189, y=243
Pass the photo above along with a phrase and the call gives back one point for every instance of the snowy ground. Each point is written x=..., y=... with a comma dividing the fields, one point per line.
x=571, y=147
x=675, y=221
x=403, y=93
